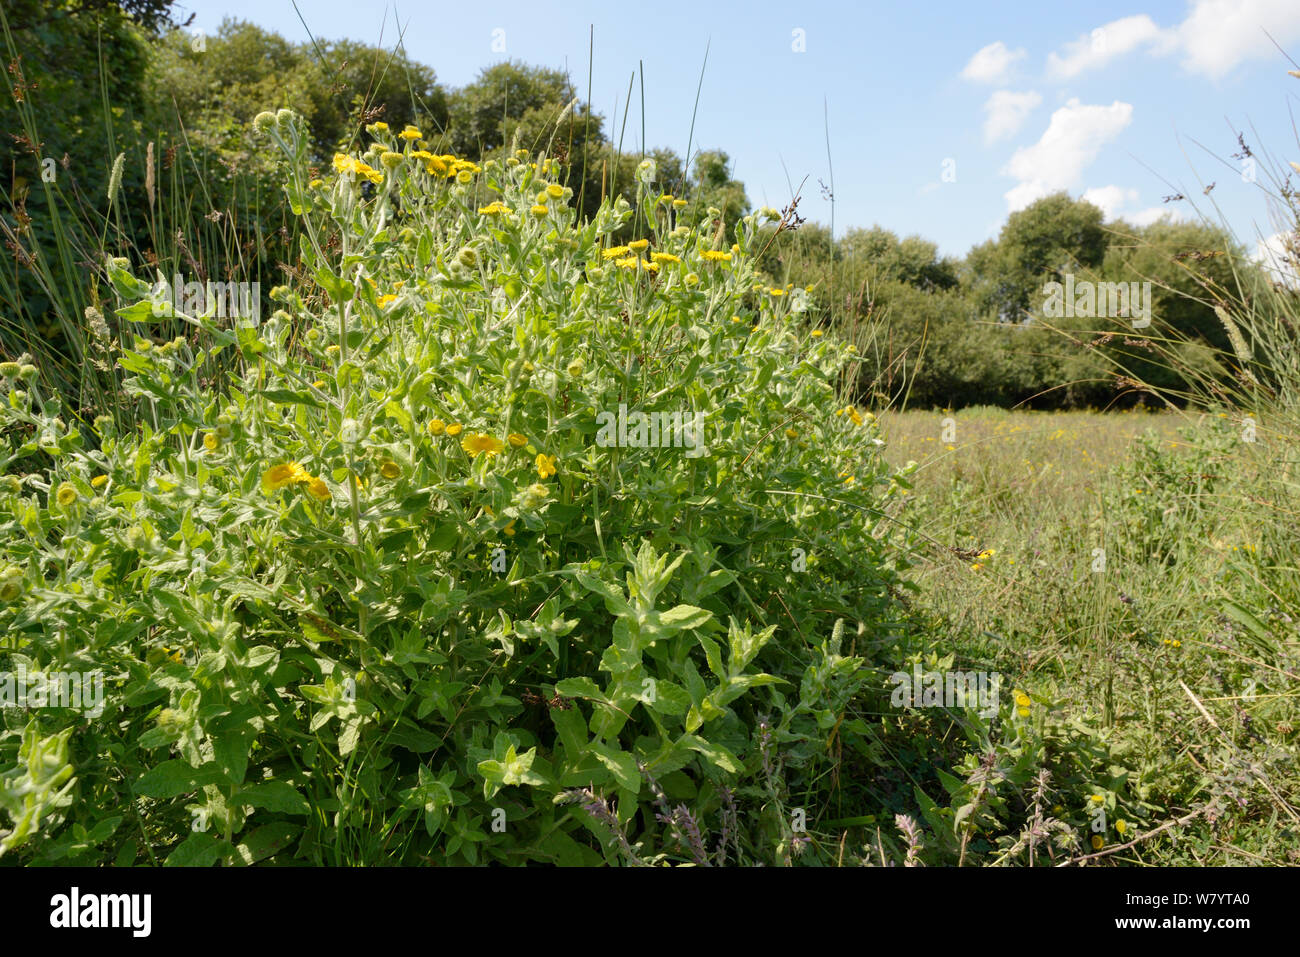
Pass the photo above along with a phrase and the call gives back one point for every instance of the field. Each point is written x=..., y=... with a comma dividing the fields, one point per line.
x=1155, y=648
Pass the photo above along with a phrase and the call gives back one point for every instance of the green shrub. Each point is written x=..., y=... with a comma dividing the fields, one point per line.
x=367, y=584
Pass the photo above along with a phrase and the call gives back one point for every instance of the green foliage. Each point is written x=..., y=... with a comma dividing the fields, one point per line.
x=366, y=585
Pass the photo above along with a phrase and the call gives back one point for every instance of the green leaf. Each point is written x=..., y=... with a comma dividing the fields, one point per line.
x=620, y=763
x=173, y=778
x=197, y=850
x=266, y=840
x=272, y=796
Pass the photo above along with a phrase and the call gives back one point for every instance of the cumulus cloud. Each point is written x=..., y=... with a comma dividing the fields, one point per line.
x=990, y=65
x=1219, y=34
x=1279, y=254
x=1006, y=112
x=1074, y=136
x=1153, y=214
x=1105, y=43
x=1110, y=199
x=1215, y=37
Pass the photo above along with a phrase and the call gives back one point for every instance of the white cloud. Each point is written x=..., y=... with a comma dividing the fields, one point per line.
x=1219, y=34
x=1110, y=199
x=1074, y=137
x=1153, y=214
x=1278, y=255
x=1007, y=112
x=1105, y=43
x=990, y=64
x=1215, y=37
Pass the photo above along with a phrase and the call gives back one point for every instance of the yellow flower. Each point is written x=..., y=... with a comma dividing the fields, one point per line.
x=517, y=440
x=638, y=244
x=1097, y=842
x=716, y=256
x=284, y=474
x=614, y=252
x=1022, y=699
x=1121, y=826
x=777, y=292
x=628, y=262
x=318, y=384
x=99, y=481
x=1177, y=643
x=346, y=164
x=816, y=333
x=976, y=567
x=454, y=429
x=390, y=470
x=474, y=443
x=316, y=184
x=1023, y=712
x=410, y=133
x=555, y=190
x=510, y=529
x=66, y=495
x=464, y=176
x=211, y=442
x=437, y=427
x=1097, y=799
x=546, y=466
x=494, y=209
x=380, y=127
x=539, y=210
x=385, y=300
x=319, y=489
x=791, y=434
x=679, y=204
x=664, y=258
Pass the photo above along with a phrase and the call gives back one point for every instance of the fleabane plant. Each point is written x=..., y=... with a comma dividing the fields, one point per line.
x=494, y=539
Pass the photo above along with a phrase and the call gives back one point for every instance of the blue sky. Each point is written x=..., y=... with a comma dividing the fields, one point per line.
x=943, y=116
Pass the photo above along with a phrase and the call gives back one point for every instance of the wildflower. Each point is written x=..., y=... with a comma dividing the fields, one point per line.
x=284, y=474
x=1097, y=842
x=386, y=299
x=1022, y=699
x=777, y=292
x=679, y=204
x=390, y=160
x=816, y=333
x=517, y=440
x=638, y=244
x=494, y=209
x=615, y=252
x=716, y=256
x=346, y=164
x=546, y=465
x=318, y=384
x=211, y=442
x=976, y=567
x=555, y=190
x=510, y=528
x=10, y=370
x=66, y=495
x=410, y=133
x=535, y=495
x=319, y=490
x=474, y=443
x=539, y=210
x=332, y=348
x=454, y=429
x=1121, y=826
x=664, y=258
x=380, y=127
x=390, y=470
x=1177, y=643
x=692, y=279
x=464, y=176
x=1097, y=799
x=791, y=434
x=99, y=481
x=576, y=367
x=1023, y=712
x=628, y=262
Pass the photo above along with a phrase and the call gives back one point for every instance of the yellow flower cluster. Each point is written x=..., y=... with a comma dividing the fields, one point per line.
x=288, y=474
x=346, y=164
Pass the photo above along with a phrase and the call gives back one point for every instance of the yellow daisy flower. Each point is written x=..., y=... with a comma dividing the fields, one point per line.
x=474, y=443
x=319, y=489
x=437, y=427
x=454, y=429
x=546, y=465
x=282, y=475
x=390, y=470
x=66, y=495
x=211, y=442
x=517, y=440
